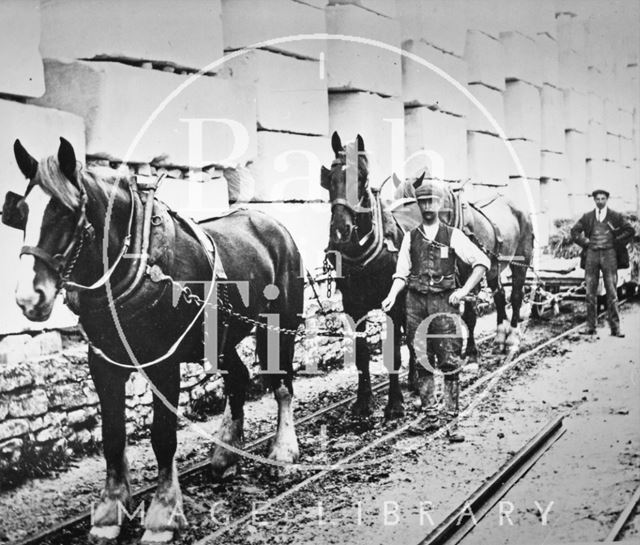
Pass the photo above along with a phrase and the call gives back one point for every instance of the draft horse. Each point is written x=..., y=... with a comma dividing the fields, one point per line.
x=74, y=238
x=367, y=238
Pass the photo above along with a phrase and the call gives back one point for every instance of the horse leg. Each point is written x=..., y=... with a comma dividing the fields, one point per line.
x=116, y=495
x=394, y=407
x=518, y=275
x=165, y=514
x=500, y=301
x=413, y=370
x=236, y=380
x=284, y=448
x=364, y=405
x=470, y=318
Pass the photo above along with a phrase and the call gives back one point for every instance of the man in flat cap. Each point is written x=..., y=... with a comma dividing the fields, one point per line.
x=603, y=235
x=427, y=266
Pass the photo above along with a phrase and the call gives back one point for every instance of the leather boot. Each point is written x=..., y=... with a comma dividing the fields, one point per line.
x=451, y=406
x=427, y=390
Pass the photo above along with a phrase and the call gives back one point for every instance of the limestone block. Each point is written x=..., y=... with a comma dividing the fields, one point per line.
x=146, y=30
x=13, y=427
x=575, y=110
x=573, y=70
x=493, y=101
x=484, y=16
x=522, y=106
x=308, y=224
x=548, y=51
x=246, y=22
x=380, y=121
x=579, y=203
x=485, y=58
x=552, y=119
x=522, y=59
x=435, y=140
x=380, y=7
x=489, y=160
x=13, y=374
x=612, y=118
x=576, y=151
x=20, y=60
x=541, y=228
x=422, y=86
x=441, y=23
x=358, y=66
x=195, y=198
x=613, y=152
x=553, y=165
x=290, y=95
x=596, y=81
x=596, y=141
x=626, y=151
x=530, y=18
x=528, y=153
x=571, y=33
x=117, y=100
x=595, y=106
x=525, y=193
x=554, y=199
x=28, y=404
x=626, y=123
x=603, y=174
x=288, y=166
x=39, y=130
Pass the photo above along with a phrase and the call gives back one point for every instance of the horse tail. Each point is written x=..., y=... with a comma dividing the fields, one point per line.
x=526, y=240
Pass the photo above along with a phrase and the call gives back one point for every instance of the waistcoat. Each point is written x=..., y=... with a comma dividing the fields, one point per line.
x=433, y=263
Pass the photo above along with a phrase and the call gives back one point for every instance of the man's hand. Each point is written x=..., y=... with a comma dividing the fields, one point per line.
x=388, y=302
x=457, y=296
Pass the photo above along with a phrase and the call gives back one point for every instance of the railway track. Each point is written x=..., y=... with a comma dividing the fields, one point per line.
x=74, y=529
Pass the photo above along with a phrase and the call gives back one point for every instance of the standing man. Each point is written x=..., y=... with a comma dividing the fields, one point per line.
x=427, y=265
x=603, y=235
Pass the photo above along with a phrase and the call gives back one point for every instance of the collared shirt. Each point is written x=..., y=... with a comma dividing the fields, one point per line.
x=601, y=215
x=466, y=250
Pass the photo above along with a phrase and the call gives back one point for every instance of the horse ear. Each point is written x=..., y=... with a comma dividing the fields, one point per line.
x=360, y=143
x=325, y=178
x=67, y=159
x=336, y=143
x=396, y=181
x=418, y=181
x=27, y=164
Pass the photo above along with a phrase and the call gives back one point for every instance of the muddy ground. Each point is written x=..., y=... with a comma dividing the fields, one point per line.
x=589, y=474
x=440, y=473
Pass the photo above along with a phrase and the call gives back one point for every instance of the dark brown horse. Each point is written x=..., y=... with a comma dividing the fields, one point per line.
x=505, y=233
x=78, y=229
x=367, y=239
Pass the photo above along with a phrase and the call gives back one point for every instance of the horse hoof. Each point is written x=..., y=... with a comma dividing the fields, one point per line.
x=362, y=409
x=157, y=536
x=394, y=411
x=100, y=534
x=472, y=368
x=285, y=454
x=223, y=460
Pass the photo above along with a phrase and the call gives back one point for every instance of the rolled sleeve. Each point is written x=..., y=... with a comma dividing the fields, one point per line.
x=403, y=266
x=467, y=251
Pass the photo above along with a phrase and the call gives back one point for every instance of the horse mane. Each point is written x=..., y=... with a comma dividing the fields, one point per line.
x=363, y=162
x=51, y=178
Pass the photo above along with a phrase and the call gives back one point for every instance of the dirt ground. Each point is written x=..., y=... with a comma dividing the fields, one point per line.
x=589, y=474
x=594, y=468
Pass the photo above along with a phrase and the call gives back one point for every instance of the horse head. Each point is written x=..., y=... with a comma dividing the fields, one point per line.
x=347, y=182
x=49, y=213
